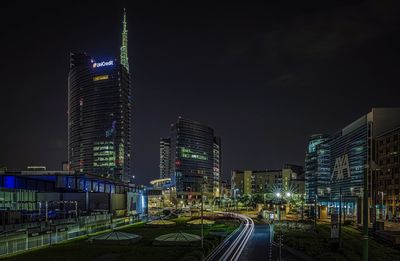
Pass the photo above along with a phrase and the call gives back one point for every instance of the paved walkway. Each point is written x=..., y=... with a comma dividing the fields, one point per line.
x=260, y=247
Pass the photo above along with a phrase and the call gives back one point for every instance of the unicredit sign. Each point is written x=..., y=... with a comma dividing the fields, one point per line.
x=102, y=64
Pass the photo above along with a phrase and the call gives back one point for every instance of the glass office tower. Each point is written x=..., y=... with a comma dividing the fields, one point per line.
x=99, y=113
x=164, y=157
x=317, y=167
x=99, y=116
x=192, y=159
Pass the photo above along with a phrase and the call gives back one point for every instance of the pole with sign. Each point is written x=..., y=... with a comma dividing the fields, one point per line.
x=335, y=225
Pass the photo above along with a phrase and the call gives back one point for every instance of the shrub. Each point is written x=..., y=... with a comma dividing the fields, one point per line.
x=348, y=223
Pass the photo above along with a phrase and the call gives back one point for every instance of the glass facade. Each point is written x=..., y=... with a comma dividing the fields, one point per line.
x=217, y=166
x=192, y=159
x=317, y=167
x=99, y=116
x=165, y=158
x=349, y=155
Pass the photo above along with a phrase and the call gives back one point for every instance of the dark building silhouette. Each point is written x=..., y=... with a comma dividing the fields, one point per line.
x=192, y=160
x=99, y=114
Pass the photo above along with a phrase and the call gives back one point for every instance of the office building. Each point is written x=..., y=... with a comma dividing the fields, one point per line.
x=165, y=158
x=288, y=179
x=317, y=167
x=255, y=181
x=386, y=179
x=349, y=155
x=225, y=189
x=293, y=179
x=192, y=160
x=99, y=114
x=217, y=167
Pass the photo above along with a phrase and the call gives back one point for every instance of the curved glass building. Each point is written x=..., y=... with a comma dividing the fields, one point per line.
x=317, y=167
x=193, y=160
x=99, y=113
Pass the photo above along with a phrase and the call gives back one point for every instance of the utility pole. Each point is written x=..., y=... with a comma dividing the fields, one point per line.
x=340, y=218
x=202, y=235
x=315, y=211
x=365, y=215
x=279, y=196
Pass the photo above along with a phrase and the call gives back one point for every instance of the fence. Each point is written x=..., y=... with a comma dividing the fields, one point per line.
x=57, y=233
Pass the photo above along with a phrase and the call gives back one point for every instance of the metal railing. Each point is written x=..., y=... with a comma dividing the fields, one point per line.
x=18, y=242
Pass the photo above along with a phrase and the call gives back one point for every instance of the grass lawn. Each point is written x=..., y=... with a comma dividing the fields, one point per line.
x=143, y=250
x=320, y=246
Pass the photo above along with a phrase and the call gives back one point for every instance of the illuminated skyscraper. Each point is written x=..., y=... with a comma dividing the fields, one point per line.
x=193, y=160
x=124, y=45
x=217, y=166
x=99, y=114
x=317, y=167
x=164, y=157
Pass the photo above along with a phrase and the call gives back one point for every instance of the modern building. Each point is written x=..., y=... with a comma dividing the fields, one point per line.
x=40, y=208
x=192, y=160
x=225, y=189
x=317, y=167
x=386, y=179
x=349, y=155
x=217, y=167
x=255, y=181
x=165, y=144
x=293, y=179
x=90, y=192
x=99, y=114
x=161, y=194
x=352, y=156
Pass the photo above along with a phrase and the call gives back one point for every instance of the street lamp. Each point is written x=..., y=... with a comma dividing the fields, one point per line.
x=234, y=194
x=279, y=196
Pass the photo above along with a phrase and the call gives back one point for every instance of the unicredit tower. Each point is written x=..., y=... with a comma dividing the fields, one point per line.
x=99, y=114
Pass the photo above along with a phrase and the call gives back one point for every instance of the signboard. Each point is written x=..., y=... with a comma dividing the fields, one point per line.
x=132, y=199
x=341, y=170
x=334, y=226
x=103, y=64
x=100, y=77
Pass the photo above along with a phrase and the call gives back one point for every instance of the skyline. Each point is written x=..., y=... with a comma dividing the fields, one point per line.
x=162, y=71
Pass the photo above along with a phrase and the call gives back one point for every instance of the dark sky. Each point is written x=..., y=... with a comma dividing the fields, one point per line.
x=265, y=77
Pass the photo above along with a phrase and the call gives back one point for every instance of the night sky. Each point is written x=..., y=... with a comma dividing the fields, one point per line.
x=265, y=77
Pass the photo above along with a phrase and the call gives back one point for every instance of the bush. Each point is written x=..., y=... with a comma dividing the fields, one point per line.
x=166, y=212
x=348, y=223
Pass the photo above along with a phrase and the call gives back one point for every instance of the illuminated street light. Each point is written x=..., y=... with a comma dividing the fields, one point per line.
x=288, y=194
x=278, y=195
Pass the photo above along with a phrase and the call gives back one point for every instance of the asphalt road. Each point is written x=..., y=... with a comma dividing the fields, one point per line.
x=233, y=246
x=260, y=246
x=250, y=242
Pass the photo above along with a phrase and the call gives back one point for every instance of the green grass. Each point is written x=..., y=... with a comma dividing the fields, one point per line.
x=320, y=246
x=81, y=250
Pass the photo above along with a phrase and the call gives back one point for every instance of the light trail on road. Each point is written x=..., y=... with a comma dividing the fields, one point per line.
x=233, y=246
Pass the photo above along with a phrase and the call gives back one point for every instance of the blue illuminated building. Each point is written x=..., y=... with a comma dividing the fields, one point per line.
x=317, y=168
x=90, y=191
x=344, y=158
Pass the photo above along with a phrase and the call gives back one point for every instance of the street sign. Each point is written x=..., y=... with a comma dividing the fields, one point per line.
x=334, y=226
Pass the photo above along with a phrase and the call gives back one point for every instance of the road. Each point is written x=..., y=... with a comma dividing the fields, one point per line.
x=233, y=246
x=250, y=242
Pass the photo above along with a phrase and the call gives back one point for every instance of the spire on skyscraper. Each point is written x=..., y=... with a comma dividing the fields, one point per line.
x=124, y=45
